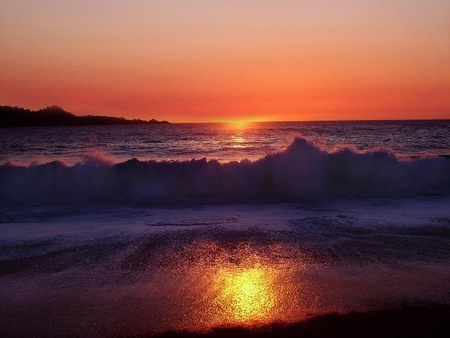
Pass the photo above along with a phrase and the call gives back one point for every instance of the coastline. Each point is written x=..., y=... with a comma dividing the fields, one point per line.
x=55, y=116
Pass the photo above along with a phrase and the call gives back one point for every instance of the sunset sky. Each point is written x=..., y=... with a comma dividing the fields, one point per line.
x=211, y=60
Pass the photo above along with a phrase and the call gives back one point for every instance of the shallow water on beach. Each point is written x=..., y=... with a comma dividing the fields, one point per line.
x=138, y=271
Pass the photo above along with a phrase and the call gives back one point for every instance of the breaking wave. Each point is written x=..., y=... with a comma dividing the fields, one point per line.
x=303, y=171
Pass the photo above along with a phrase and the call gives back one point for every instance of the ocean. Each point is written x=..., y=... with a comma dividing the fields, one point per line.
x=224, y=229
x=217, y=141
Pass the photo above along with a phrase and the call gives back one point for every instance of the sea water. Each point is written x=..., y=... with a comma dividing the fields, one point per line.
x=135, y=230
x=217, y=141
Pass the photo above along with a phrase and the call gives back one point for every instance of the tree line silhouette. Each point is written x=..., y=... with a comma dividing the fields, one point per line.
x=57, y=116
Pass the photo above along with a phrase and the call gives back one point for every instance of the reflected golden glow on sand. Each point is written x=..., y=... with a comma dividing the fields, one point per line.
x=240, y=286
x=246, y=295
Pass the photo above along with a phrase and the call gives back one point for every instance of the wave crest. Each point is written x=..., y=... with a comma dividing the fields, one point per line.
x=303, y=171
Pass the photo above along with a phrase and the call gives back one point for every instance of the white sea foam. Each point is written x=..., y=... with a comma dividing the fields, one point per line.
x=303, y=171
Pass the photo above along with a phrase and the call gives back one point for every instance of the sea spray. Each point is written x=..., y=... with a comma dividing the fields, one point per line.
x=303, y=171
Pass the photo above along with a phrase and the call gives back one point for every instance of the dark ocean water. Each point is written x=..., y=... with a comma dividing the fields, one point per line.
x=222, y=163
x=223, y=142
x=137, y=230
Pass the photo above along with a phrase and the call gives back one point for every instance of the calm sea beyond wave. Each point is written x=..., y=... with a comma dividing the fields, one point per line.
x=309, y=229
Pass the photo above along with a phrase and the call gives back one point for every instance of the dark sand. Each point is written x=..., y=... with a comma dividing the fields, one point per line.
x=433, y=321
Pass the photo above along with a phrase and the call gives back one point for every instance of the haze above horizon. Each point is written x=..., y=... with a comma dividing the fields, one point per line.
x=200, y=61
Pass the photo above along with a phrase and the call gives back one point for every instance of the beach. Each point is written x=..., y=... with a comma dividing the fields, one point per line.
x=314, y=239
x=144, y=271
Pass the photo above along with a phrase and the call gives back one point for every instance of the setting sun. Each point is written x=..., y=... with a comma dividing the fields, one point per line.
x=238, y=124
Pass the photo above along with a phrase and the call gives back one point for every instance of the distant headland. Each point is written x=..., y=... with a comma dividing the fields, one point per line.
x=57, y=116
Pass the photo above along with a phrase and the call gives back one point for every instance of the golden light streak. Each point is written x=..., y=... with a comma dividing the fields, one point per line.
x=239, y=142
x=246, y=295
x=236, y=286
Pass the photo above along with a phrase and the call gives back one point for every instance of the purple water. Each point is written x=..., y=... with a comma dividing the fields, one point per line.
x=224, y=142
x=136, y=230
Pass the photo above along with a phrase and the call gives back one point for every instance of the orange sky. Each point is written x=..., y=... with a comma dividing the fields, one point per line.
x=213, y=60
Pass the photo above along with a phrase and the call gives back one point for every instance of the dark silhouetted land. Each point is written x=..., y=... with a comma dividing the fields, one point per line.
x=57, y=116
x=399, y=323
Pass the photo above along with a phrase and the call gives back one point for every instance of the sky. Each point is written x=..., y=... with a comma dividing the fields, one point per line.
x=243, y=60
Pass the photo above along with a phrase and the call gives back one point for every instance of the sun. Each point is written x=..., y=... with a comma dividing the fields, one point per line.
x=239, y=124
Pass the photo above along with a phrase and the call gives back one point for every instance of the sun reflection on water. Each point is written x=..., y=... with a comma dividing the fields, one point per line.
x=239, y=141
x=241, y=285
x=220, y=284
x=246, y=295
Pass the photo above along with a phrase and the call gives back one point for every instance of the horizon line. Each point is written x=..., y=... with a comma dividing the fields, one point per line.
x=244, y=121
